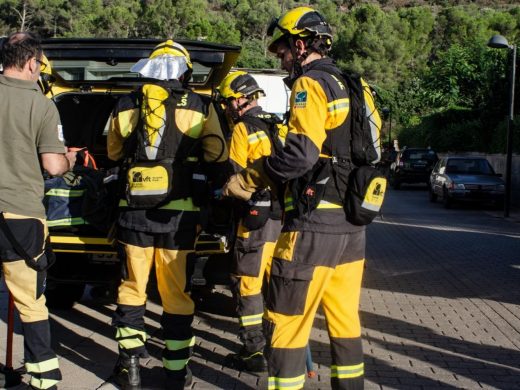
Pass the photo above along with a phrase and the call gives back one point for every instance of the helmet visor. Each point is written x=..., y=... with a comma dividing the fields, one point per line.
x=276, y=32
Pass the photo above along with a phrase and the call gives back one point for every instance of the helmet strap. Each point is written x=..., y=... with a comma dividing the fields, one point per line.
x=296, y=69
x=245, y=104
x=185, y=78
x=235, y=112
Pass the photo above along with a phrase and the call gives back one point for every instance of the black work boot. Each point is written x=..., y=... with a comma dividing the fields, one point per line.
x=179, y=384
x=126, y=373
x=244, y=361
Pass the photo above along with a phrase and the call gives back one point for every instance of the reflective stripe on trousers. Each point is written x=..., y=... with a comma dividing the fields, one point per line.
x=27, y=286
x=253, y=255
x=297, y=290
x=130, y=339
x=286, y=383
x=170, y=266
x=177, y=354
x=39, y=371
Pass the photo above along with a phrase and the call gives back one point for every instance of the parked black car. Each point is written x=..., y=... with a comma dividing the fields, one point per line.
x=466, y=179
x=412, y=165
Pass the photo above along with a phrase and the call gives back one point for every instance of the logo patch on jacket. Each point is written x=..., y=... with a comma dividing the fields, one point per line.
x=300, y=99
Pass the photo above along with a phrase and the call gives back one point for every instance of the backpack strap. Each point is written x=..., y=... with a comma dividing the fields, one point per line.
x=269, y=125
x=135, y=143
x=362, y=151
x=354, y=91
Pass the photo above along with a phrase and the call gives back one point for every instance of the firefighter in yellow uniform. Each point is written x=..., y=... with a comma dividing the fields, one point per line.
x=164, y=131
x=319, y=256
x=253, y=136
x=46, y=79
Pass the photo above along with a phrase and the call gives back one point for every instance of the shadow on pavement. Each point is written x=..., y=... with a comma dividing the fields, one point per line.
x=442, y=348
x=81, y=349
x=444, y=261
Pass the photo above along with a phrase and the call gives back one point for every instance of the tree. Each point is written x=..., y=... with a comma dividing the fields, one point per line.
x=224, y=29
x=252, y=56
x=82, y=18
x=23, y=11
x=154, y=21
x=252, y=20
x=51, y=17
x=118, y=19
x=7, y=16
x=369, y=44
x=175, y=19
x=459, y=25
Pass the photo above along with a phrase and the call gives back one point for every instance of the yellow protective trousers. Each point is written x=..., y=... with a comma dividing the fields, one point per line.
x=168, y=252
x=27, y=287
x=310, y=269
x=252, y=261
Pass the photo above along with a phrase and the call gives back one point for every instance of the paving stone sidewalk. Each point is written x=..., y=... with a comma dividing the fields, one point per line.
x=440, y=309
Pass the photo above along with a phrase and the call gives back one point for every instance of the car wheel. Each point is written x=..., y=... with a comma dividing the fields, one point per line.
x=432, y=195
x=63, y=295
x=446, y=201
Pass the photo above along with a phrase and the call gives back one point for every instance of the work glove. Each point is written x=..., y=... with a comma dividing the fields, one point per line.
x=236, y=187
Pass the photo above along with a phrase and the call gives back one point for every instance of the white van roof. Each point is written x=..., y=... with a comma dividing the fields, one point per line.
x=277, y=95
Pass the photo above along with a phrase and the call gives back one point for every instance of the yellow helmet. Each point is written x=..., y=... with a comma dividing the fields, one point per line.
x=301, y=22
x=46, y=78
x=239, y=84
x=172, y=49
x=167, y=61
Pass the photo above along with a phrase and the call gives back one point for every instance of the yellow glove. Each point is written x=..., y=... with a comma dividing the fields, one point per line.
x=237, y=188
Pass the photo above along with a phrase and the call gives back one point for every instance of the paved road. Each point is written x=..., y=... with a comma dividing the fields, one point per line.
x=440, y=309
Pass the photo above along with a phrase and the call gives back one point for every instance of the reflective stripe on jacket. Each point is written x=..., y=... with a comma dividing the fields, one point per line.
x=318, y=129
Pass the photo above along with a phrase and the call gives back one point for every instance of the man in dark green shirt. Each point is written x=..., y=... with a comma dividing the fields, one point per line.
x=32, y=139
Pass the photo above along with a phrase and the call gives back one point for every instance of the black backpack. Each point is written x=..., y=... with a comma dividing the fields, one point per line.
x=366, y=185
x=365, y=141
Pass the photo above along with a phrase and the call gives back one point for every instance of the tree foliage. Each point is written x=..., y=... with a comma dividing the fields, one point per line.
x=427, y=59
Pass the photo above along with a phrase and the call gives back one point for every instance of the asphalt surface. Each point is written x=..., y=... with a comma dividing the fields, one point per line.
x=440, y=310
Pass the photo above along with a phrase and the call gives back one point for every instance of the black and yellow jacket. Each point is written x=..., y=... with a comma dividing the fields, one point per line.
x=249, y=142
x=195, y=118
x=252, y=139
x=318, y=131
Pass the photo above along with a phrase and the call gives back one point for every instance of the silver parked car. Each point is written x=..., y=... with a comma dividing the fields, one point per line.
x=466, y=179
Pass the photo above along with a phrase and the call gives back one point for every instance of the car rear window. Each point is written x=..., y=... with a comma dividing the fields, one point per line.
x=469, y=166
x=417, y=154
x=80, y=70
